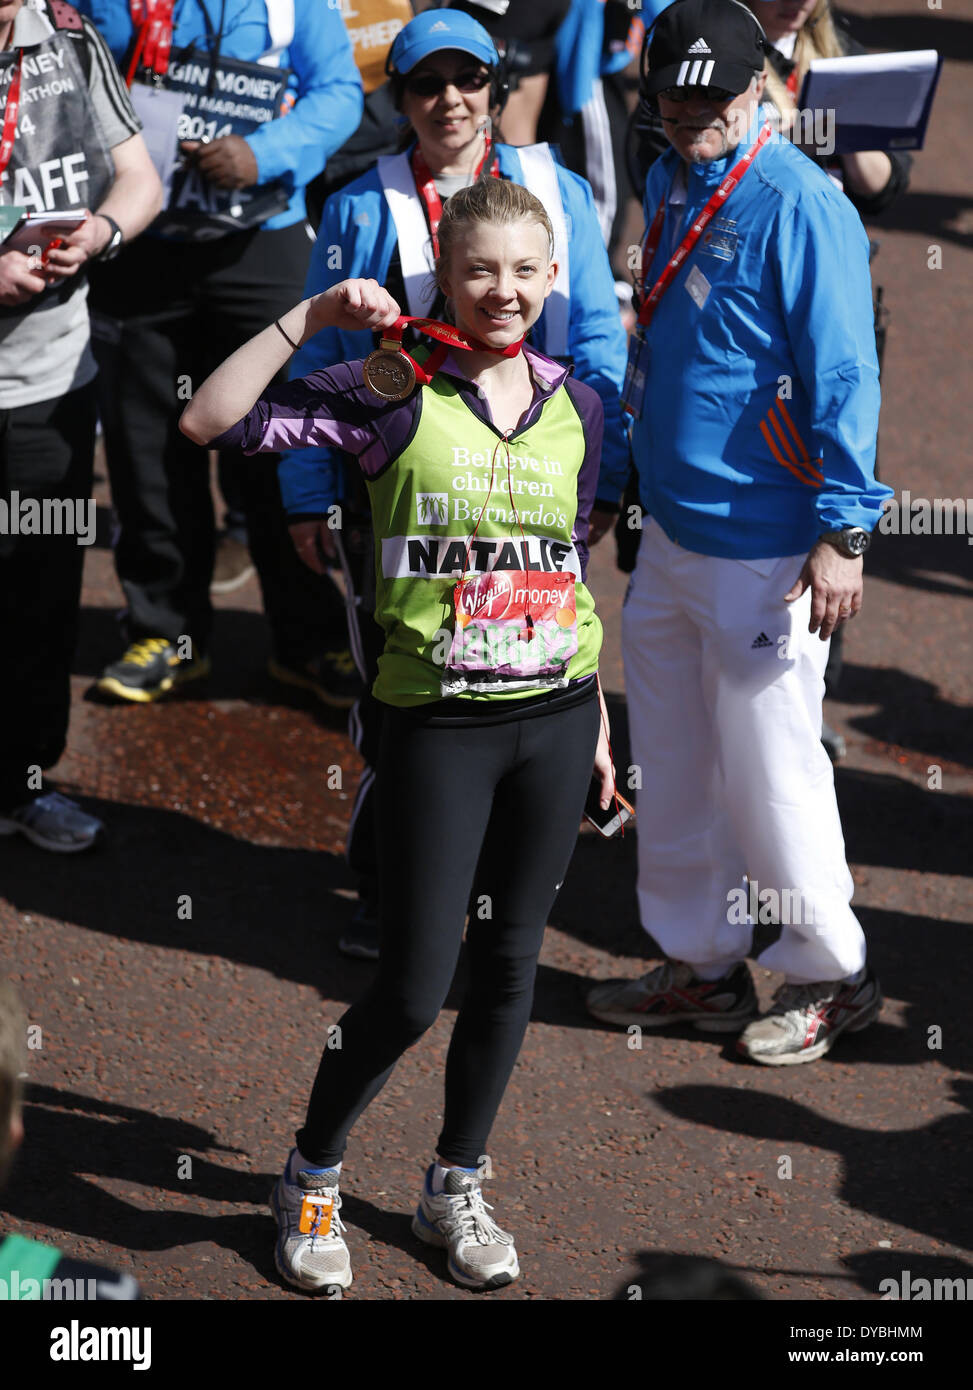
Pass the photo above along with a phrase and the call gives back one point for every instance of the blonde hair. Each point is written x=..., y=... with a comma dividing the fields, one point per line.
x=817, y=38
x=489, y=200
x=13, y=1026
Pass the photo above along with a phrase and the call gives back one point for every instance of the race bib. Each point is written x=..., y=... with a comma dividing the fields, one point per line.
x=229, y=98
x=513, y=629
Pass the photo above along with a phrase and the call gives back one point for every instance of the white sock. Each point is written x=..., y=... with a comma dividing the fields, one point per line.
x=437, y=1179
x=299, y=1164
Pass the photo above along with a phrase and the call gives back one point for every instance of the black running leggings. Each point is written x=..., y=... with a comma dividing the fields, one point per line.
x=514, y=790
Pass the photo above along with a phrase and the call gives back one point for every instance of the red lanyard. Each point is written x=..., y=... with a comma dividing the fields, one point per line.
x=426, y=188
x=10, y=109
x=650, y=245
x=448, y=337
x=152, y=21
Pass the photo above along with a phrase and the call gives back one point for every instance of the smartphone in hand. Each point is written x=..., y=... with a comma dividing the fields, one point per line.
x=610, y=822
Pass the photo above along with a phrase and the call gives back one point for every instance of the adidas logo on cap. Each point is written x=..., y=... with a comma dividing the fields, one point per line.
x=439, y=24
x=700, y=46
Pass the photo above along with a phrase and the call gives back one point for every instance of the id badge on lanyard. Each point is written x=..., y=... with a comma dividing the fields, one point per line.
x=636, y=372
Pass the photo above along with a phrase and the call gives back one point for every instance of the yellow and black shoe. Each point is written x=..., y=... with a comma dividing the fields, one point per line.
x=333, y=677
x=150, y=669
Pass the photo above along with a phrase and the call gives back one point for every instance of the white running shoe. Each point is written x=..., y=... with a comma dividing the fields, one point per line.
x=804, y=1020
x=311, y=1252
x=481, y=1255
x=53, y=822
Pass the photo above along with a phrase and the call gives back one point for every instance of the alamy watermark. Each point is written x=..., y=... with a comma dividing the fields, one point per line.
x=48, y=516
x=924, y=516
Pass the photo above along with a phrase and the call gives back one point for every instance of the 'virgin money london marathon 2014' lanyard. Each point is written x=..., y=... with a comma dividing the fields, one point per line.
x=633, y=389
x=10, y=110
x=152, y=22
x=428, y=192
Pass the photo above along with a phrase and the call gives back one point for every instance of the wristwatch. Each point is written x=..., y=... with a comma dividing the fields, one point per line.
x=852, y=541
x=114, y=244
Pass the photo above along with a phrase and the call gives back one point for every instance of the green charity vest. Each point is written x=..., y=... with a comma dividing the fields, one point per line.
x=24, y=1265
x=425, y=506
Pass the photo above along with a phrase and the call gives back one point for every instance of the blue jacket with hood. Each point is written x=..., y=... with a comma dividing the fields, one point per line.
x=761, y=405
x=356, y=239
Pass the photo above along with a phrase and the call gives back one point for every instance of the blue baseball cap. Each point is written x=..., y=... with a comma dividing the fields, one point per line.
x=434, y=30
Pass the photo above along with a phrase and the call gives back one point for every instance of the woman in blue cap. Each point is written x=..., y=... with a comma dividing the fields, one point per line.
x=447, y=80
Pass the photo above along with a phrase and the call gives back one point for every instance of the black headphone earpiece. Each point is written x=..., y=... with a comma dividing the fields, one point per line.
x=500, y=79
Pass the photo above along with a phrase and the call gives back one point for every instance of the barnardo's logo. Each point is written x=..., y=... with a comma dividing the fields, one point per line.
x=432, y=508
x=48, y=516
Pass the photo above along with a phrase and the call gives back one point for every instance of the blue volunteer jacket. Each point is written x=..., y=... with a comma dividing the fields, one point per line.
x=356, y=239
x=761, y=406
x=324, y=80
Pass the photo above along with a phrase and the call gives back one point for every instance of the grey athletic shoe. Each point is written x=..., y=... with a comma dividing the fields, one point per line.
x=481, y=1255
x=804, y=1020
x=671, y=993
x=311, y=1252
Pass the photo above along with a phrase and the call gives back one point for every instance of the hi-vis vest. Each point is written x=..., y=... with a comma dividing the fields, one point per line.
x=59, y=161
x=425, y=506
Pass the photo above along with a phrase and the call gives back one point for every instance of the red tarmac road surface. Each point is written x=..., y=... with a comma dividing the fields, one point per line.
x=177, y=1054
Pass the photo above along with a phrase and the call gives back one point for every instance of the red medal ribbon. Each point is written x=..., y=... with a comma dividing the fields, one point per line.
x=651, y=242
x=152, y=21
x=11, y=107
x=428, y=192
x=448, y=337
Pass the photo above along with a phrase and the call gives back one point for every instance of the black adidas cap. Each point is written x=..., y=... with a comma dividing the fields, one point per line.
x=704, y=43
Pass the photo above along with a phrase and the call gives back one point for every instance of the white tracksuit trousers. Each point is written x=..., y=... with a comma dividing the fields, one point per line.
x=724, y=685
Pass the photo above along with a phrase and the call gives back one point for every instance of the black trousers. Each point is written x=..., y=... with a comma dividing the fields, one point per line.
x=46, y=452
x=496, y=805
x=165, y=314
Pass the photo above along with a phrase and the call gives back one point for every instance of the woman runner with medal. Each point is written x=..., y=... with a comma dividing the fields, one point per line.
x=488, y=683
x=447, y=82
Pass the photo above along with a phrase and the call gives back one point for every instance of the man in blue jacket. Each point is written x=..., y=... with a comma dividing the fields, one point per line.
x=754, y=384
x=266, y=91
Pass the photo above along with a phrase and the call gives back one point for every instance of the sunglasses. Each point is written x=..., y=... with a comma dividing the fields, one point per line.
x=711, y=94
x=431, y=84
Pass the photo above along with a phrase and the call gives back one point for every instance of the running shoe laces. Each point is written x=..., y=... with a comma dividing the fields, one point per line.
x=144, y=652
x=466, y=1215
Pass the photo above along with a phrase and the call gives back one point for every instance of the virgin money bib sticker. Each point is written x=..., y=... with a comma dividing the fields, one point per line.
x=515, y=628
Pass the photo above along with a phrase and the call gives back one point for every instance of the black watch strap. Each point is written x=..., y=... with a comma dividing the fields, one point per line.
x=114, y=245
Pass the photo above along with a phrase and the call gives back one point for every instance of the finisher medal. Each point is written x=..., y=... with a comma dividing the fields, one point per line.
x=389, y=372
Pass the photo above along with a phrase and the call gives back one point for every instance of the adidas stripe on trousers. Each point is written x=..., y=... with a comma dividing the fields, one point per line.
x=724, y=686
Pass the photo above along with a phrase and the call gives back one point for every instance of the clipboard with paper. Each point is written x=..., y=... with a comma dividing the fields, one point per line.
x=879, y=101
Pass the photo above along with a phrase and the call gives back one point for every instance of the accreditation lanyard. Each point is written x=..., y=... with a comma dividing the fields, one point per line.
x=10, y=109
x=651, y=243
x=637, y=366
x=428, y=192
x=152, y=23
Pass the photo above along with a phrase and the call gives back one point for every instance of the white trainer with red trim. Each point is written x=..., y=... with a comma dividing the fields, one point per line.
x=804, y=1020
